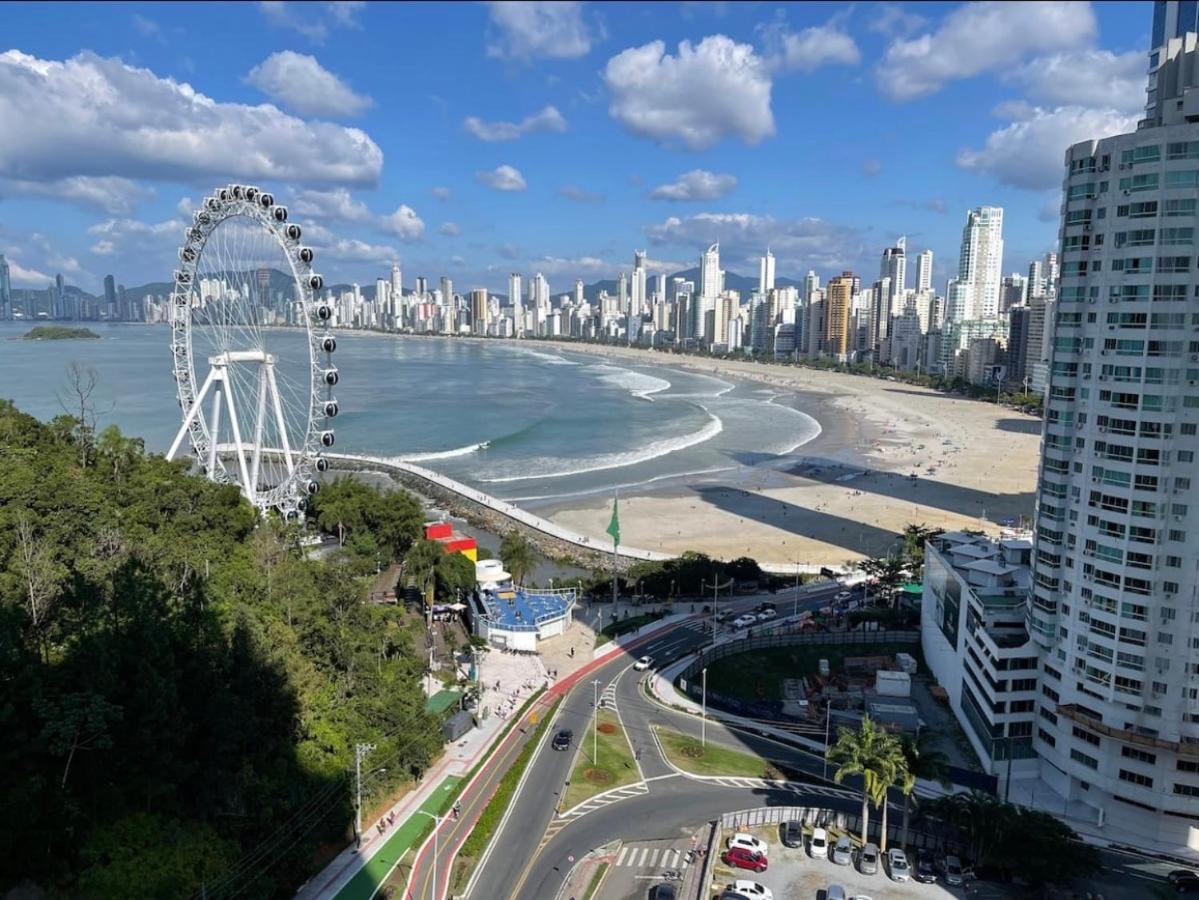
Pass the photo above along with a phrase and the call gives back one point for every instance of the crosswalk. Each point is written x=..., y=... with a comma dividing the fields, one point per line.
x=769, y=784
x=641, y=857
x=608, y=697
x=607, y=798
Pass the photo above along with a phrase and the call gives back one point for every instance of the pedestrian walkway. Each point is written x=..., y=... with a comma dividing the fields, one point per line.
x=366, y=883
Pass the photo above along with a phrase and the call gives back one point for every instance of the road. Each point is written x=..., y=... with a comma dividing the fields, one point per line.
x=518, y=866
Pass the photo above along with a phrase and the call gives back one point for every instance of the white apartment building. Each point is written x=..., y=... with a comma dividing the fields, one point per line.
x=972, y=632
x=1115, y=605
x=974, y=293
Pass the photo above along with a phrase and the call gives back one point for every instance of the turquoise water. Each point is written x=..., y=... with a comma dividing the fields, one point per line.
x=532, y=424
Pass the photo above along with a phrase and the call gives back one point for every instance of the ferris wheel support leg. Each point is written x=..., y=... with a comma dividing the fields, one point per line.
x=249, y=489
x=216, y=428
x=190, y=417
x=258, y=423
x=279, y=423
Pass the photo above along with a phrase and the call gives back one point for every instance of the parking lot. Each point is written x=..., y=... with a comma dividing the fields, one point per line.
x=794, y=875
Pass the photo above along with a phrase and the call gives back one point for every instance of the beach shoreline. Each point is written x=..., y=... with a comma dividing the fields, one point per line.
x=848, y=492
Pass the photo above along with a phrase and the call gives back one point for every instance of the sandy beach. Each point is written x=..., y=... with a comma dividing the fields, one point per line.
x=848, y=492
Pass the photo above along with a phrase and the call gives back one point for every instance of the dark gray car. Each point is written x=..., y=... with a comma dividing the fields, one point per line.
x=792, y=835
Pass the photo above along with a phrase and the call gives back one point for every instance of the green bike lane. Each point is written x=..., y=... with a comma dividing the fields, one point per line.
x=371, y=877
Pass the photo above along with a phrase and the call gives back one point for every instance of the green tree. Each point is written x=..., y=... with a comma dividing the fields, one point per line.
x=888, y=574
x=921, y=760
x=518, y=556
x=872, y=754
x=914, y=537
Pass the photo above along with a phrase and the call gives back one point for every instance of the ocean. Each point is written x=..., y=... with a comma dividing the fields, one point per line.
x=534, y=424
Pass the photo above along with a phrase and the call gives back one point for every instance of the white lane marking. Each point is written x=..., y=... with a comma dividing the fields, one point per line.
x=653, y=857
x=644, y=855
x=620, y=858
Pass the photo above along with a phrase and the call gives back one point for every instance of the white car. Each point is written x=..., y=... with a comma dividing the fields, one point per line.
x=818, y=846
x=751, y=889
x=766, y=615
x=644, y=663
x=844, y=595
x=744, y=621
x=897, y=862
x=747, y=842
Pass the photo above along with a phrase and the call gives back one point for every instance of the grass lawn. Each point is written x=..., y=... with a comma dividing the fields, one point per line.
x=686, y=753
x=613, y=768
x=613, y=630
x=370, y=877
x=594, y=884
x=759, y=674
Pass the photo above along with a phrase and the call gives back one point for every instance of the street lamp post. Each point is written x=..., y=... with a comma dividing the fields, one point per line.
x=360, y=752
x=437, y=820
x=595, y=727
x=703, y=719
x=828, y=715
x=795, y=611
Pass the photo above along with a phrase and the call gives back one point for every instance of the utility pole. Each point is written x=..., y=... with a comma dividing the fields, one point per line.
x=595, y=727
x=360, y=752
x=703, y=719
x=828, y=715
x=795, y=612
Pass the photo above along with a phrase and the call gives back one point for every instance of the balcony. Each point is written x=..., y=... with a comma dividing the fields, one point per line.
x=1182, y=748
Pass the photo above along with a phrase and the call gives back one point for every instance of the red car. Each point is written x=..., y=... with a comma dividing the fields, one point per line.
x=741, y=858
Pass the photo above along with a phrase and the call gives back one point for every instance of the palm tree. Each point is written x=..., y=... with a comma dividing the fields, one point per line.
x=921, y=761
x=517, y=555
x=872, y=754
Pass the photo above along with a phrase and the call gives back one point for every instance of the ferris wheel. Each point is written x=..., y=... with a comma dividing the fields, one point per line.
x=255, y=398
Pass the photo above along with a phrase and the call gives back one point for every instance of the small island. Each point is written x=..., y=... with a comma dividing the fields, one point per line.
x=58, y=333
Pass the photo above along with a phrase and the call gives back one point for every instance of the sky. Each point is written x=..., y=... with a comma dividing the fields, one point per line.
x=476, y=139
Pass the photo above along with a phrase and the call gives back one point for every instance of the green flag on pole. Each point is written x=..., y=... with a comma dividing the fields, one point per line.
x=614, y=525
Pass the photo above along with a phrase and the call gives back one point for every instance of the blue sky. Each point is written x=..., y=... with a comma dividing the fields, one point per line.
x=474, y=139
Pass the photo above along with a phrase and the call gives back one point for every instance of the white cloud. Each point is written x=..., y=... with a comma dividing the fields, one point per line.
x=580, y=195
x=892, y=19
x=811, y=48
x=581, y=267
x=338, y=205
x=313, y=20
x=1029, y=153
x=449, y=229
x=1094, y=78
x=104, y=248
x=303, y=85
x=98, y=117
x=148, y=28
x=808, y=243
x=109, y=194
x=698, y=184
x=502, y=178
x=26, y=278
x=526, y=30
x=708, y=91
x=441, y=193
x=981, y=37
x=549, y=119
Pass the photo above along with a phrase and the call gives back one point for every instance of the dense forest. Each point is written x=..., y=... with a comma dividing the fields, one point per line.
x=180, y=686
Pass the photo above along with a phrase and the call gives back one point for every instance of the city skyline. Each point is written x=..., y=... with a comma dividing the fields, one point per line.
x=515, y=157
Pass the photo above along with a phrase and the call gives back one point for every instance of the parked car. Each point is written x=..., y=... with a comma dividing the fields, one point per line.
x=953, y=871
x=663, y=892
x=842, y=854
x=897, y=862
x=752, y=889
x=747, y=842
x=766, y=615
x=1187, y=884
x=793, y=833
x=926, y=870
x=642, y=664
x=844, y=595
x=744, y=621
x=818, y=846
x=563, y=738
x=742, y=858
x=834, y=892
x=868, y=859
x=1174, y=876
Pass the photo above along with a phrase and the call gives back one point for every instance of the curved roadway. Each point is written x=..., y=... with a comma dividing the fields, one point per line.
x=523, y=863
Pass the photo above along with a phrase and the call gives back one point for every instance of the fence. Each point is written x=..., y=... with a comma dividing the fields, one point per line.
x=824, y=638
x=848, y=823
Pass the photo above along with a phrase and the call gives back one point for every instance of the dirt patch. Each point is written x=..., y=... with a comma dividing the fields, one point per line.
x=607, y=728
x=692, y=751
x=598, y=776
